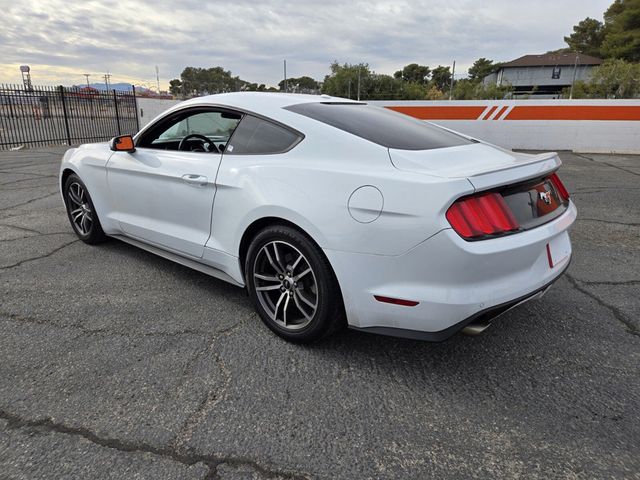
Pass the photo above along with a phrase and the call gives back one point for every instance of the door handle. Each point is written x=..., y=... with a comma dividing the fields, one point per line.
x=195, y=180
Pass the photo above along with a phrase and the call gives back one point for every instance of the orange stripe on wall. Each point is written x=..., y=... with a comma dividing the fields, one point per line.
x=574, y=112
x=500, y=113
x=440, y=113
x=491, y=110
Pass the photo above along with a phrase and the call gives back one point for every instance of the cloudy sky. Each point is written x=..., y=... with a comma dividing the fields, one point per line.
x=61, y=40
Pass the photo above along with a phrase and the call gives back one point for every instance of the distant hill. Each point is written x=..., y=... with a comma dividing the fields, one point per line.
x=120, y=87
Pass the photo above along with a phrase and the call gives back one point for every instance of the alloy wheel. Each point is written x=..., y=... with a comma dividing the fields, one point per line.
x=286, y=285
x=79, y=209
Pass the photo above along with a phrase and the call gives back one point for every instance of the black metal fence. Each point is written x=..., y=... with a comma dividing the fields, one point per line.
x=63, y=116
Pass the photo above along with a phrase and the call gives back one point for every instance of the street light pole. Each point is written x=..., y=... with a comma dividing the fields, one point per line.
x=575, y=70
x=285, y=77
x=453, y=73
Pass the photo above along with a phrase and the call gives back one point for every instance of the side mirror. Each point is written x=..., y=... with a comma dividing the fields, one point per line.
x=123, y=143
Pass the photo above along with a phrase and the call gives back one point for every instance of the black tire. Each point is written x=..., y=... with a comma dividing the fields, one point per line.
x=328, y=316
x=81, y=206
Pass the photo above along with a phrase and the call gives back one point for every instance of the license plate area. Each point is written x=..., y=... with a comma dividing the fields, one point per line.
x=558, y=250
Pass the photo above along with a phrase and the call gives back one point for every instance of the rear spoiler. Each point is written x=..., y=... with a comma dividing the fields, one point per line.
x=531, y=166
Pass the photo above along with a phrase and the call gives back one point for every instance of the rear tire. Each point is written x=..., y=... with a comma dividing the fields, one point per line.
x=292, y=285
x=81, y=211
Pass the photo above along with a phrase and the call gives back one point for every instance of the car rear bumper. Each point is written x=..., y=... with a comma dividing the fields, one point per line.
x=484, y=316
x=454, y=281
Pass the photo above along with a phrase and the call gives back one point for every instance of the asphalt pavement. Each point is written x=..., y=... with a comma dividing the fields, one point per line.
x=117, y=364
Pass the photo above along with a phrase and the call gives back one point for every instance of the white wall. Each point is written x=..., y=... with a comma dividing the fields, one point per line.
x=604, y=126
x=149, y=108
x=596, y=126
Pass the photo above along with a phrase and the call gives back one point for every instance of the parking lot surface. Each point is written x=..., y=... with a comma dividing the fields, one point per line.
x=115, y=363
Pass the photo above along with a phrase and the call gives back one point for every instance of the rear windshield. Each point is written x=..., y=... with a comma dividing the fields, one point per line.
x=380, y=125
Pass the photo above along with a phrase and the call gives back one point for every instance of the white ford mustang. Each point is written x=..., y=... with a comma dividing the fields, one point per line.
x=330, y=212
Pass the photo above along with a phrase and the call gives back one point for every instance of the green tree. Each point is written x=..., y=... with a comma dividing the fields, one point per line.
x=383, y=87
x=413, y=91
x=581, y=89
x=560, y=50
x=467, y=89
x=441, y=78
x=434, y=94
x=175, y=87
x=480, y=69
x=493, y=91
x=587, y=37
x=615, y=78
x=202, y=81
x=622, y=30
x=302, y=84
x=414, y=73
x=254, y=87
x=343, y=80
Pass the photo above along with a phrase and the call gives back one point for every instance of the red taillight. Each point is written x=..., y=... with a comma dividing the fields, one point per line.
x=562, y=191
x=481, y=215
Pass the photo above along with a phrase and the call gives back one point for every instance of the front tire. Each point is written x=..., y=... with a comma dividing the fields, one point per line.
x=292, y=285
x=81, y=212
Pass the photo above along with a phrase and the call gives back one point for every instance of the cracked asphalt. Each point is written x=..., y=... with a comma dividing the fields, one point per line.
x=118, y=364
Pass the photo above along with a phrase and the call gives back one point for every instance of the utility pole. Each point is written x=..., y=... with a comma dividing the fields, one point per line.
x=358, y=82
x=158, y=78
x=87, y=75
x=349, y=91
x=453, y=74
x=575, y=70
x=107, y=78
x=285, y=77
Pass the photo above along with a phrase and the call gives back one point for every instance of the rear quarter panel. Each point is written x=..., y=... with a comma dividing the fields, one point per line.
x=310, y=186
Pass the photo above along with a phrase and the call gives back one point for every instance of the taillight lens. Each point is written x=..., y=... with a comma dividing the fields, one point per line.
x=481, y=215
x=562, y=191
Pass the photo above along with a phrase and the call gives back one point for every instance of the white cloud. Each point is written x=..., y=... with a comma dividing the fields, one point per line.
x=62, y=40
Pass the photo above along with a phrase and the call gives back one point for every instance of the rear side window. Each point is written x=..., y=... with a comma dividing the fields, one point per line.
x=255, y=136
x=380, y=125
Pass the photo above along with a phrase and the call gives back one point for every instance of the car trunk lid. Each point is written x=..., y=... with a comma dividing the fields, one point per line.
x=513, y=191
x=485, y=166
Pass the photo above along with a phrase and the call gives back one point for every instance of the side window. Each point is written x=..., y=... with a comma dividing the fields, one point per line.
x=216, y=126
x=260, y=137
x=210, y=124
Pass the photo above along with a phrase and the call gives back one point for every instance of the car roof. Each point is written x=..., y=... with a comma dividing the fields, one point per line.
x=261, y=102
x=267, y=104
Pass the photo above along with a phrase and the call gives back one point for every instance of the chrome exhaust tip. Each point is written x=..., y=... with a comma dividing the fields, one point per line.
x=476, y=328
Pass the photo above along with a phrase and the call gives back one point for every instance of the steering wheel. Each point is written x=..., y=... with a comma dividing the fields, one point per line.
x=207, y=144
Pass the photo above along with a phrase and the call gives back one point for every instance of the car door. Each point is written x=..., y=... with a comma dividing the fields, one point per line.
x=163, y=192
